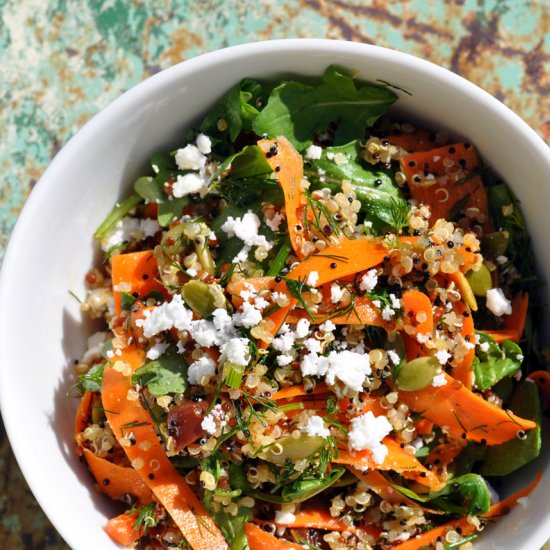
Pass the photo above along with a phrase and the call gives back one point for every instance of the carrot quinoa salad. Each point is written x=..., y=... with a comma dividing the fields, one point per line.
x=318, y=333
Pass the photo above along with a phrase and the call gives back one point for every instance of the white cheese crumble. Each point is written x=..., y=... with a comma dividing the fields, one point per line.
x=369, y=281
x=208, y=424
x=327, y=326
x=393, y=356
x=387, y=313
x=312, y=278
x=336, y=293
x=188, y=183
x=497, y=303
x=284, y=360
x=302, y=328
x=284, y=342
x=166, y=316
x=484, y=347
x=284, y=517
x=439, y=380
x=190, y=158
x=129, y=229
x=443, y=356
x=316, y=426
x=367, y=432
x=204, y=144
x=205, y=366
x=275, y=222
x=422, y=338
x=313, y=345
x=246, y=229
x=349, y=367
x=236, y=351
x=95, y=345
x=156, y=351
x=313, y=152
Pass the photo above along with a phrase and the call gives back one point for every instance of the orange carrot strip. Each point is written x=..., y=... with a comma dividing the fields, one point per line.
x=117, y=481
x=335, y=261
x=258, y=539
x=514, y=324
x=121, y=529
x=418, y=304
x=397, y=460
x=429, y=538
x=460, y=411
x=424, y=426
x=139, y=271
x=288, y=166
x=452, y=182
x=463, y=372
x=298, y=391
x=148, y=457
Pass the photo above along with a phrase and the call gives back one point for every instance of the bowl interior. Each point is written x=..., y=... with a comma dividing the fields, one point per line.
x=51, y=248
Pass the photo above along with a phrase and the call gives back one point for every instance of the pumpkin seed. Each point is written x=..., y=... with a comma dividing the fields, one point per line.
x=199, y=297
x=417, y=374
x=480, y=281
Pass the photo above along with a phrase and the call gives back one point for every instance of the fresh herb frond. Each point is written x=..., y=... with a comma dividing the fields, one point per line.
x=75, y=296
x=146, y=518
x=400, y=214
x=296, y=288
x=130, y=425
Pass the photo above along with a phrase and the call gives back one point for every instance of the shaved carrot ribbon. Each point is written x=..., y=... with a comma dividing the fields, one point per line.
x=464, y=414
x=258, y=539
x=148, y=457
x=514, y=324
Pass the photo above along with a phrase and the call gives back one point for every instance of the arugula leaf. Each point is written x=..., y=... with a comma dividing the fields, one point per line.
x=246, y=163
x=465, y=495
x=381, y=198
x=167, y=374
x=237, y=108
x=504, y=459
x=298, y=110
x=496, y=363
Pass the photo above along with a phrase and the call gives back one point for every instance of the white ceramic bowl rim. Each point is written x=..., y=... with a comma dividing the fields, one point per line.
x=100, y=122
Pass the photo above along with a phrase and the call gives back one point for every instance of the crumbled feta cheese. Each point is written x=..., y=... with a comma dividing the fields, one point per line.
x=443, y=356
x=156, y=351
x=387, y=313
x=497, y=303
x=246, y=229
x=95, y=345
x=284, y=518
x=260, y=303
x=316, y=426
x=284, y=329
x=129, y=229
x=302, y=328
x=188, y=183
x=349, y=367
x=204, y=332
x=312, y=344
x=236, y=351
x=314, y=365
x=395, y=302
x=336, y=293
x=248, y=316
x=275, y=222
x=394, y=357
x=166, y=316
x=149, y=227
x=422, y=338
x=284, y=360
x=484, y=347
x=205, y=366
x=204, y=144
x=242, y=256
x=369, y=281
x=367, y=432
x=327, y=326
x=208, y=424
x=313, y=152
x=190, y=158
x=501, y=260
x=312, y=278
x=439, y=380
x=284, y=342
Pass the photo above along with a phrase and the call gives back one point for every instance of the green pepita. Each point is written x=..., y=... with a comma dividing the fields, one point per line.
x=417, y=374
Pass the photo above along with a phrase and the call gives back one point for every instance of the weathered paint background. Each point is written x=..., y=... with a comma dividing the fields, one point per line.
x=61, y=61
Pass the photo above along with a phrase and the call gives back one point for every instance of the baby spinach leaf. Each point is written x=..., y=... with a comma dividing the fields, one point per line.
x=298, y=110
x=248, y=162
x=150, y=189
x=171, y=210
x=237, y=109
x=167, y=374
x=465, y=495
x=381, y=199
x=301, y=490
x=503, y=459
x=496, y=363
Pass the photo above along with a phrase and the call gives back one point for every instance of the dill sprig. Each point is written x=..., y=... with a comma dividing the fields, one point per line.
x=296, y=288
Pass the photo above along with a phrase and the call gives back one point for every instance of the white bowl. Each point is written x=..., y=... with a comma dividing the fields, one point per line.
x=51, y=247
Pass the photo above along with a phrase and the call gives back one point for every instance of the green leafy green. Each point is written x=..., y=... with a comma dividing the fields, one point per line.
x=237, y=108
x=465, y=495
x=91, y=381
x=246, y=163
x=167, y=374
x=150, y=189
x=496, y=363
x=146, y=517
x=381, y=198
x=298, y=110
x=503, y=459
x=171, y=210
x=126, y=301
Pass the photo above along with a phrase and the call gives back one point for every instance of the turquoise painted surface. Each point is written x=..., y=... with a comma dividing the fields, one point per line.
x=61, y=61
